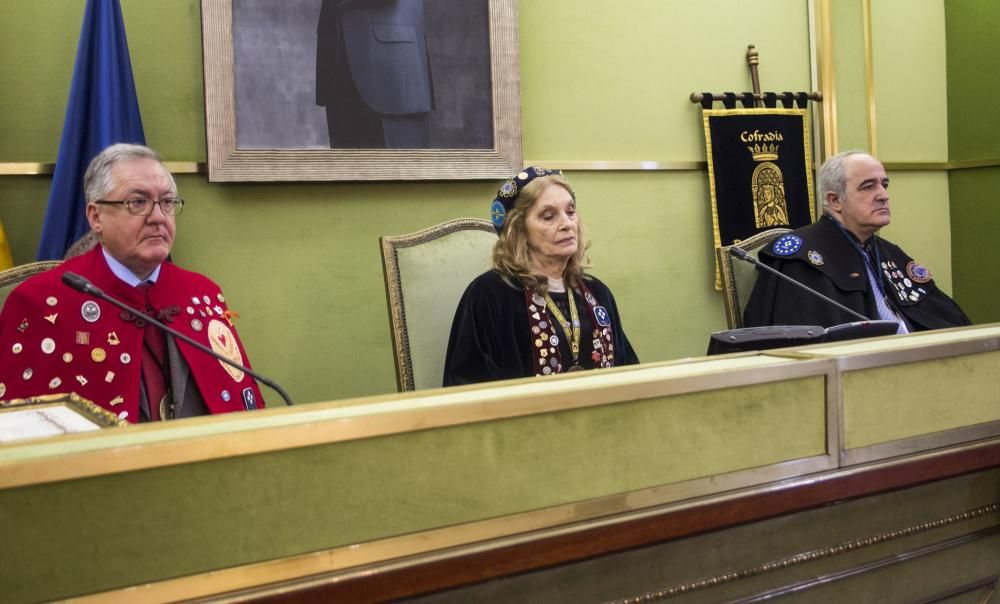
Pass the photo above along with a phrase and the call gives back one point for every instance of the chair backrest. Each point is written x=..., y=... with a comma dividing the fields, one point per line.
x=12, y=277
x=738, y=277
x=81, y=246
x=425, y=275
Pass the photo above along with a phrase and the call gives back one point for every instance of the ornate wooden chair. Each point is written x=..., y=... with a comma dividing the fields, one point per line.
x=738, y=277
x=425, y=275
x=12, y=277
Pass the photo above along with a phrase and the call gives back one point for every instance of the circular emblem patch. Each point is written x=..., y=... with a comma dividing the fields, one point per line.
x=918, y=272
x=91, y=311
x=508, y=188
x=223, y=341
x=786, y=245
x=815, y=257
x=497, y=214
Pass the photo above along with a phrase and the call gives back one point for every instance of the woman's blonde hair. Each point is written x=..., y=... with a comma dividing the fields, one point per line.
x=512, y=257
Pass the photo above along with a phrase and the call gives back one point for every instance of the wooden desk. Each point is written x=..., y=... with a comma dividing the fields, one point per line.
x=391, y=496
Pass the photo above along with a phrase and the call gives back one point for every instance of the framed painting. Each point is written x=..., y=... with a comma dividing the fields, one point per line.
x=361, y=89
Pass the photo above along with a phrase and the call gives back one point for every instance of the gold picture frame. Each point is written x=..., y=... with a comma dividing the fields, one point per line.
x=229, y=162
x=52, y=415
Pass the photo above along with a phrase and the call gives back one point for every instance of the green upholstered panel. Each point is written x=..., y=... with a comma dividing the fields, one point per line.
x=908, y=66
x=433, y=276
x=975, y=220
x=99, y=533
x=742, y=275
x=899, y=401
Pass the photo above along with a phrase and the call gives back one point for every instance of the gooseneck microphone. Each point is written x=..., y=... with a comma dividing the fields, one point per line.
x=746, y=257
x=81, y=284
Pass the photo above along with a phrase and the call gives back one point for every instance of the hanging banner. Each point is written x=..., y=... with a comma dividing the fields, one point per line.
x=103, y=108
x=759, y=172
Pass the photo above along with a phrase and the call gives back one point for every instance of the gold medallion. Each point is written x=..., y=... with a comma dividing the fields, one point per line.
x=223, y=341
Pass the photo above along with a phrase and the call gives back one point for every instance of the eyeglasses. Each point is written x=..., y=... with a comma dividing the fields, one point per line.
x=140, y=206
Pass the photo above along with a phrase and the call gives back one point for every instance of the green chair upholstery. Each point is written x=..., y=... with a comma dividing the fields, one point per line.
x=12, y=277
x=738, y=277
x=425, y=275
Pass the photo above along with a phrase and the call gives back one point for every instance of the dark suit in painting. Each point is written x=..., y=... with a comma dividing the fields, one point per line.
x=373, y=73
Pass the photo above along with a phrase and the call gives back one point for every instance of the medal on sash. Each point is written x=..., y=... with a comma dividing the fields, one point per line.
x=545, y=342
x=572, y=331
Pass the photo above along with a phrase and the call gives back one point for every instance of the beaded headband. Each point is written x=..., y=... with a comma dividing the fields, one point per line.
x=509, y=191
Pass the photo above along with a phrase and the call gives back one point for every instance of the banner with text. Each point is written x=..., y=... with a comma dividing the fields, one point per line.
x=759, y=171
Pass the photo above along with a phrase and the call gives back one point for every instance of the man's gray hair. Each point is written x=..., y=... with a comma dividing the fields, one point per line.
x=833, y=178
x=97, y=182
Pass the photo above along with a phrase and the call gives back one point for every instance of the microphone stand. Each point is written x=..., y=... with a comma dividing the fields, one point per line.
x=746, y=257
x=81, y=284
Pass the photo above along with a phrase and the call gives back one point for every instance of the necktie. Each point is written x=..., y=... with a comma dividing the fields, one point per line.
x=884, y=311
x=153, y=360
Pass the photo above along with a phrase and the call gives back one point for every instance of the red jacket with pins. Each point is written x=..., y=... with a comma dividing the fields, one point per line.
x=54, y=339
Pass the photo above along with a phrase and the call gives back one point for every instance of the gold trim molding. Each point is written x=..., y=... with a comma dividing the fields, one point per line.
x=866, y=7
x=827, y=79
x=812, y=556
x=35, y=168
x=623, y=165
x=638, y=165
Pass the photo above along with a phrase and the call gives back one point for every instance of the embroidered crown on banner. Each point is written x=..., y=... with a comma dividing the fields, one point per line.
x=764, y=152
x=764, y=145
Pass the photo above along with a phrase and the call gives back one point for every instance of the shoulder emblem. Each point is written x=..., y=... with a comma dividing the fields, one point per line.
x=815, y=258
x=918, y=272
x=786, y=245
x=223, y=341
x=498, y=213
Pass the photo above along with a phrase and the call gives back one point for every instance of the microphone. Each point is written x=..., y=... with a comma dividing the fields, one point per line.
x=746, y=257
x=81, y=284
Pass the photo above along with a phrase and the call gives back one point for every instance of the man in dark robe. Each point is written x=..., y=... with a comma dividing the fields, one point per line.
x=842, y=257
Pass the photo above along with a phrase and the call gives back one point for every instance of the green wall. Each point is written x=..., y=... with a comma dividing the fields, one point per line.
x=973, y=125
x=908, y=62
x=599, y=81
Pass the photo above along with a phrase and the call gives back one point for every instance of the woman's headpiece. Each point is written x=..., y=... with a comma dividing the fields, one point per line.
x=509, y=191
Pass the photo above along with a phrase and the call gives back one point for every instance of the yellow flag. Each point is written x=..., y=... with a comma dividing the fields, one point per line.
x=6, y=258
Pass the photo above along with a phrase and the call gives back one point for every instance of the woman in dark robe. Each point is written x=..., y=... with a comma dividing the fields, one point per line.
x=536, y=312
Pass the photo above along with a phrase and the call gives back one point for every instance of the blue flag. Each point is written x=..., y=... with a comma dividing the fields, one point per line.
x=102, y=110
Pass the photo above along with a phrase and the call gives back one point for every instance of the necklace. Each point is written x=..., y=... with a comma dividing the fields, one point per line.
x=572, y=331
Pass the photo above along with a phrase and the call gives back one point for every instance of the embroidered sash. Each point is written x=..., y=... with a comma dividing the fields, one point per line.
x=545, y=339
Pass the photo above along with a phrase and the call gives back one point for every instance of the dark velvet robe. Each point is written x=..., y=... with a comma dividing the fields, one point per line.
x=837, y=270
x=491, y=338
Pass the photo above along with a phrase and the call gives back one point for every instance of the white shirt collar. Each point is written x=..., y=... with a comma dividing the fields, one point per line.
x=122, y=272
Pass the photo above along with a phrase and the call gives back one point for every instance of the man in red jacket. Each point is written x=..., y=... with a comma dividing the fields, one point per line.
x=54, y=339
